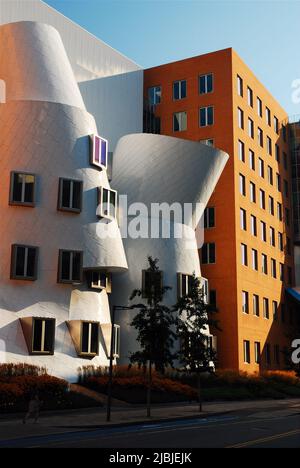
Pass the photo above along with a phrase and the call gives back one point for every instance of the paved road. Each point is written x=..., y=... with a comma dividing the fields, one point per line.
x=270, y=428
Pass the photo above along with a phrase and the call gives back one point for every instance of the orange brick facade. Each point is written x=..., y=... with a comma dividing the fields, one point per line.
x=227, y=276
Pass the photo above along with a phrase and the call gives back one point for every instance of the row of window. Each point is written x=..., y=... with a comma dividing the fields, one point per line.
x=42, y=337
x=206, y=118
x=70, y=192
x=205, y=86
x=263, y=232
x=259, y=107
x=265, y=264
x=268, y=307
x=258, y=353
x=261, y=163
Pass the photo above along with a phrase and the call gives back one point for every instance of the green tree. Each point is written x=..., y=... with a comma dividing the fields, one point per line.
x=155, y=325
x=196, y=353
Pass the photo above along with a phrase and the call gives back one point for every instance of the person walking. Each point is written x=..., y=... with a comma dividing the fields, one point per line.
x=33, y=409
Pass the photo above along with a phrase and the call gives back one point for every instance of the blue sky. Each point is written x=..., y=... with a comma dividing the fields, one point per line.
x=151, y=32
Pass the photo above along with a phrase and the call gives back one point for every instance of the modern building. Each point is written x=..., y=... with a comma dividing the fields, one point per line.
x=248, y=253
x=59, y=275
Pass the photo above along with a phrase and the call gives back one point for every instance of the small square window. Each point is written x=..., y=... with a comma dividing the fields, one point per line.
x=70, y=195
x=22, y=189
x=99, y=152
x=70, y=266
x=24, y=262
x=107, y=203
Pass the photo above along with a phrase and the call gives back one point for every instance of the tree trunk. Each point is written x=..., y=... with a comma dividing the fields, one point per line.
x=199, y=393
x=149, y=390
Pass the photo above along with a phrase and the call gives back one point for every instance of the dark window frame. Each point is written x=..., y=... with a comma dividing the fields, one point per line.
x=60, y=206
x=43, y=352
x=13, y=267
x=60, y=280
x=13, y=202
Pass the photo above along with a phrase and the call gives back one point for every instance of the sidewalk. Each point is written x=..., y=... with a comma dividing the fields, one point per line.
x=11, y=426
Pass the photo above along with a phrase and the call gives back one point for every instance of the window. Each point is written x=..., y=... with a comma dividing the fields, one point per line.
x=277, y=153
x=240, y=86
x=260, y=137
x=278, y=182
x=208, y=254
x=242, y=185
x=272, y=237
x=117, y=341
x=250, y=96
x=240, y=118
x=206, y=84
x=267, y=354
x=179, y=121
x=288, y=246
x=264, y=264
x=280, y=241
x=252, y=160
x=273, y=268
x=206, y=116
x=284, y=133
x=271, y=205
x=100, y=280
x=89, y=343
x=275, y=310
x=253, y=225
x=22, y=189
x=70, y=266
x=245, y=302
x=247, y=352
x=179, y=90
x=261, y=168
x=184, y=283
x=152, y=283
x=24, y=262
x=107, y=203
x=244, y=254
x=270, y=175
x=277, y=354
x=257, y=352
x=281, y=271
x=266, y=310
x=208, y=142
x=279, y=211
x=263, y=230
x=243, y=218
x=209, y=218
x=269, y=146
x=254, y=260
x=99, y=152
x=43, y=336
x=276, y=125
x=256, y=305
x=250, y=128
x=252, y=192
x=259, y=107
x=154, y=95
x=268, y=116
x=70, y=195
x=262, y=199
x=241, y=151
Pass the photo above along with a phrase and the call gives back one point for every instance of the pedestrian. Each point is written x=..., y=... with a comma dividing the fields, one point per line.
x=33, y=408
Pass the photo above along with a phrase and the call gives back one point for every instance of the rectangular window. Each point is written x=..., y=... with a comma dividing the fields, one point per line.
x=22, y=189
x=179, y=90
x=279, y=211
x=208, y=253
x=261, y=168
x=250, y=96
x=252, y=192
x=264, y=264
x=107, y=203
x=260, y=137
x=277, y=153
x=278, y=182
x=245, y=302
x=244, y=254
x=206, y=84
x=275, y=310
x=272, y=237
x=89, y=343
x=206, y=116
x=184, y=283
x=252, y=160
x=70, y=266
x=43, y=336
x=268, y=116
x=256, y=310
x=240, y=118
x=99, y=152
x=257, y=352
x=179, y=121
x=247, y=352
x=253, y=225
x=152, y=283
x=266, y=310
x=280, y=241
x=154, y=95
x=243, y=219
x=263, y=230
x=270, y=175
x=240, y=86
x=117, y=342
x=242, y=185
x=241, y=151
x=259, y=107
x=250, y=128
x=262, y=199
x=273, y=268
x=281, y=271
x=209, y=218
x=254, y=260
x=24, y=260
x=70, y=195
x=276, y=125
x=271, y=206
